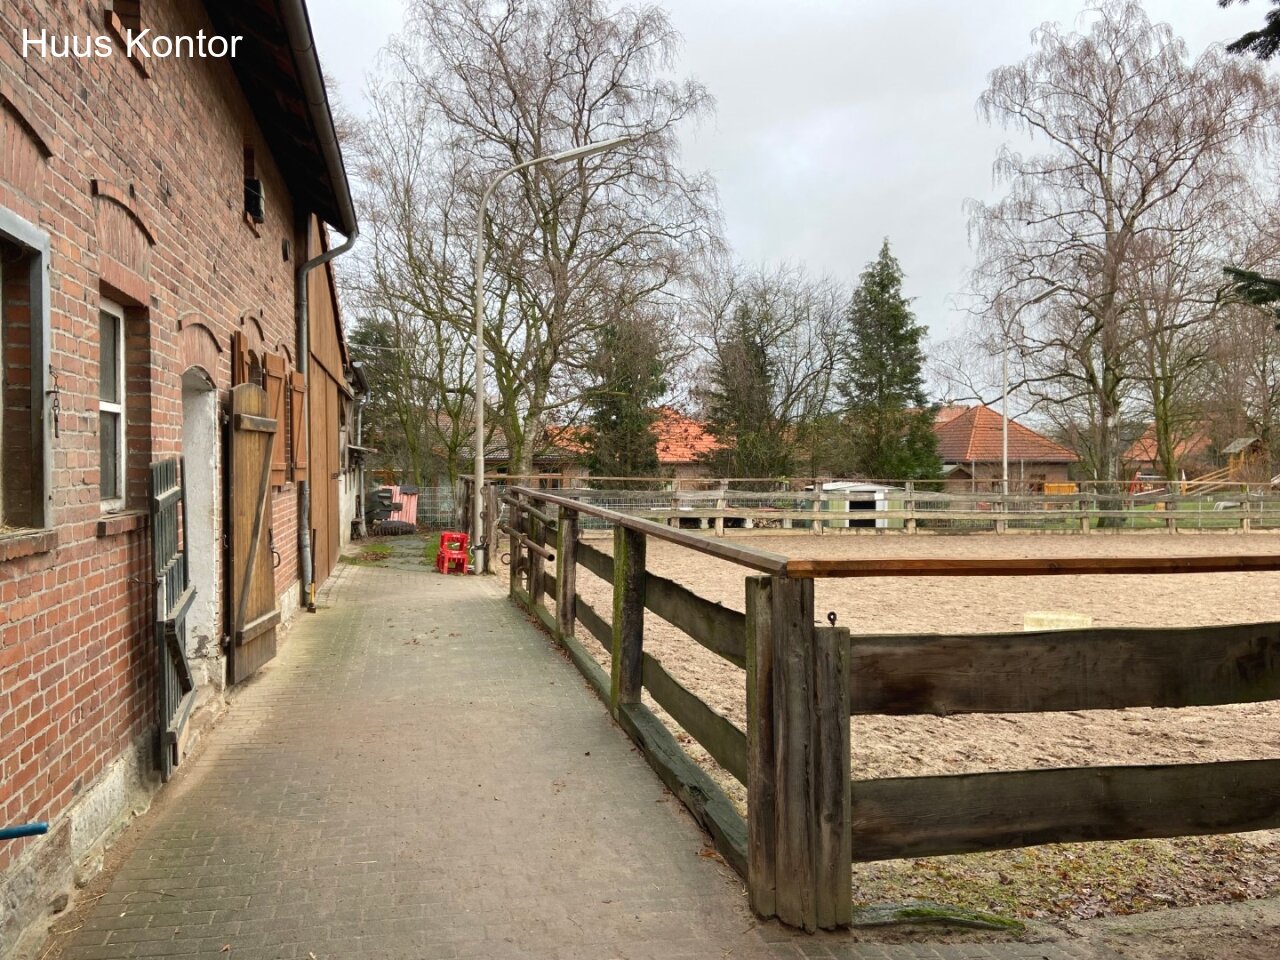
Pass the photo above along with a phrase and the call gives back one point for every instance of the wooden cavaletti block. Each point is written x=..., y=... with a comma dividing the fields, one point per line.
x=1055, y=620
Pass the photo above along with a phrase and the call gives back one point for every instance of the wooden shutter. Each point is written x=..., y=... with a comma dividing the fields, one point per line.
x=275, y=375
x=298, y=429
x=239, y=359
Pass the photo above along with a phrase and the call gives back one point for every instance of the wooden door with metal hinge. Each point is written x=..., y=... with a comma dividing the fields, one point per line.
x=174, y=594
x=254, y=616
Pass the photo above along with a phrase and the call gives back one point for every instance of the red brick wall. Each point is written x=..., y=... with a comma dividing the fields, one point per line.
x=139, y=183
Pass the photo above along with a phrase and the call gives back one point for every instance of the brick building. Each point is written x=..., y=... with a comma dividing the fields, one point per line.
x=156, y=214
x=971, y=447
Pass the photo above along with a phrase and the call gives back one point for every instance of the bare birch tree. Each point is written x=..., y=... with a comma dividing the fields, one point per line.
x=1130, y=128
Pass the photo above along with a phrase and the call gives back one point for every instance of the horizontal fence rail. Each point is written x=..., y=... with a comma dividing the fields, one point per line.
x=1030, y=567
x=808, y=819
x=725, y=742
x=931, y=816
x=1059, y=670
x=763, y=560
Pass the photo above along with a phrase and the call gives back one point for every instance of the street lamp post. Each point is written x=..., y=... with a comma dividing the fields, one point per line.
x=1004, y=392
x=564, y=156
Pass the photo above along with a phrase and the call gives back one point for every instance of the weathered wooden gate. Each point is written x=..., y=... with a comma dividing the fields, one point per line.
x=174, y=594
x=253, y=612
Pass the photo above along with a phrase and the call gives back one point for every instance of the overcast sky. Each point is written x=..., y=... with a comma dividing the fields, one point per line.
x=838, y=122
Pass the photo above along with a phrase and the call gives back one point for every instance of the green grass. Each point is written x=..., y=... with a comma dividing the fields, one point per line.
x=1079, y=881
x=370, y=554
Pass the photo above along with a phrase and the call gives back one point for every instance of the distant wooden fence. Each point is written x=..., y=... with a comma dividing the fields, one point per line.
x=911, y=507
x=911, y=510
x=807, y=819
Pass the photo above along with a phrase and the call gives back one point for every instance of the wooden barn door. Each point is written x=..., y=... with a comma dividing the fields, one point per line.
x=253, y=612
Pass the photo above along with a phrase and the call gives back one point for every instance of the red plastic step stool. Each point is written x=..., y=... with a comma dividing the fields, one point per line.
x=452, y=555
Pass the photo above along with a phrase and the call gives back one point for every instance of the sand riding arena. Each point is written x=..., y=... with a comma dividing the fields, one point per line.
x=1046, y=881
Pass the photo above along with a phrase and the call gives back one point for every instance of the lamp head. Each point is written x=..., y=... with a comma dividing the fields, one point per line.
x=588, y=149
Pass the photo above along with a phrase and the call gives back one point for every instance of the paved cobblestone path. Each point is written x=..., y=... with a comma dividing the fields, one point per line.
x=420, y=774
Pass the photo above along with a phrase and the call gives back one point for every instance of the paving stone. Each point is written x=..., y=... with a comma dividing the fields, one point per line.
x=420, y=774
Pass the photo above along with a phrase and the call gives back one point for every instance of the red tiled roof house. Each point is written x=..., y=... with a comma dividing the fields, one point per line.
x=1193, y=454
x=970, y=444
x=682, y=443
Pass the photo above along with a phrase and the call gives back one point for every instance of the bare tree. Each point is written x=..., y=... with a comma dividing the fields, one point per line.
x=1177, y=289
x=1246, y=358
x=772, y=339
x=474, y=87
x=1132, y=128
x=407, y=285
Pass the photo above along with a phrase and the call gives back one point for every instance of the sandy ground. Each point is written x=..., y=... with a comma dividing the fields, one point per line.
x=906, y=746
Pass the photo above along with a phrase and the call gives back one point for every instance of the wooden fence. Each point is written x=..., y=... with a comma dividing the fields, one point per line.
x=910, y=507
x=807, y=819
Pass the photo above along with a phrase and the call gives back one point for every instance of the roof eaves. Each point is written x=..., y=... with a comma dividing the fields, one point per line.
x=307, y=59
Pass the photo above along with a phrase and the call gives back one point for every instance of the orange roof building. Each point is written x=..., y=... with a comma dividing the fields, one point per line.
x=682, y=440
x=970, y=444
x=682, y=443
x=1193, y=453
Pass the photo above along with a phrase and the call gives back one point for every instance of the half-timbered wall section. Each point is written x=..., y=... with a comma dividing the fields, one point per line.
x=128, y=265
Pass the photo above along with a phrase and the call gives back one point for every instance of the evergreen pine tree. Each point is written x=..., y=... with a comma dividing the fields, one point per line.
x=629, y=380
x=891, y=422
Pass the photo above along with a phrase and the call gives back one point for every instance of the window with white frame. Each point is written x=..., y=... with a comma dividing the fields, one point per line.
x=111, y=424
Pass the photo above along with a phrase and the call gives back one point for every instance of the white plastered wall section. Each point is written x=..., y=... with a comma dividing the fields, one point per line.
x=201, y=456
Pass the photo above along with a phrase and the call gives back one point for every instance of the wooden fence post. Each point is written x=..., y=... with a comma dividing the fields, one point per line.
x=832, y=801
x=491, y=511
x=909, y=504
x=536, y=564
x=628, y=617
x=1084, y=515
x=566, y=572
x=761, y=788
x=515, y=521
x=798, y=803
